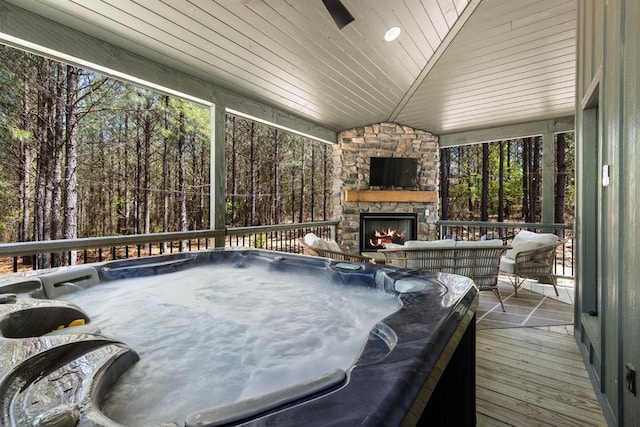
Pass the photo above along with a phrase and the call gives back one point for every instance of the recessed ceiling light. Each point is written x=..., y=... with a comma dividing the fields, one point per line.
x=392, y=34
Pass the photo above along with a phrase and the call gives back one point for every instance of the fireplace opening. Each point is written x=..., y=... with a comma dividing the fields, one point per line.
x=378, y=229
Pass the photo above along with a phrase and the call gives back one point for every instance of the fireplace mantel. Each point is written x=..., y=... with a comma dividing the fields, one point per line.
x=390, y=196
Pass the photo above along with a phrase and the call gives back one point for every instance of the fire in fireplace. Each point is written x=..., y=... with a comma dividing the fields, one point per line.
x=378, y=229
x=382, y=237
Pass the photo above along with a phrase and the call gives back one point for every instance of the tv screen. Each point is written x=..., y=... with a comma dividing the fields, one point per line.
x=393, y=172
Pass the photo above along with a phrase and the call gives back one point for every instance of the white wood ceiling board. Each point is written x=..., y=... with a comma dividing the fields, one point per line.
x=364, y=79
x=460, y=5
x=494, y=67
x=290, y=55
x=437, y=17
x=510, y=116
x=277, y=44
x=506, y=74
x=423, y=21
x=79, y=17
x=404, y=50
x=540, y=50
x=448, y=9
x=506, y=96
x=512, y=80
x=189, y=37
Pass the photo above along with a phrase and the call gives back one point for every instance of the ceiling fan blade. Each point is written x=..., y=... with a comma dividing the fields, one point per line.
x=338, y=12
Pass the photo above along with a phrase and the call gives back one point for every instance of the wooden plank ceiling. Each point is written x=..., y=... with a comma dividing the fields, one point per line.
x=457, y=65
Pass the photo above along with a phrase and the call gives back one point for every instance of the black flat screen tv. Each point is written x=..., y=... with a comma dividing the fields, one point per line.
x=389, y=172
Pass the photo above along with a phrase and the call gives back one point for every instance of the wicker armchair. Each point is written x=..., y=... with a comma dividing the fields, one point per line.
x=536, y=263
x=325, y=253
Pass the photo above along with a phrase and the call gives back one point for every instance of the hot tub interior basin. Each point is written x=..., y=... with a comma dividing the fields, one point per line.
x=59, y=364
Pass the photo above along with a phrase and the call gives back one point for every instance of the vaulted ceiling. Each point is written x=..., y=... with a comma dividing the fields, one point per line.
x=457, y=65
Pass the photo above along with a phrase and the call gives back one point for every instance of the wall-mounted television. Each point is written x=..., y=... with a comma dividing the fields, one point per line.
x=389, y=172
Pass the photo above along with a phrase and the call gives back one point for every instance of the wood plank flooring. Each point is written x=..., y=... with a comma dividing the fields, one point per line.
x=532, y=377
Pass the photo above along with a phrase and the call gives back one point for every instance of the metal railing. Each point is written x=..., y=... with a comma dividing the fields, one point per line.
x=28, y=255
x=477, y=230
x=281, y=237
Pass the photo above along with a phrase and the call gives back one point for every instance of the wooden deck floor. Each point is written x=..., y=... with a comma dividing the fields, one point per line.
x=532, y=377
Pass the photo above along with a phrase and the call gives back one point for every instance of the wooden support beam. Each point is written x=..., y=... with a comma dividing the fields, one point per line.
x=390, y=196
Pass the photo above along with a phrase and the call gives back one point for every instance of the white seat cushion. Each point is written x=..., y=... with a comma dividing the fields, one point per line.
x=332, y=245
x=310, y=239
x=488, y=243
x=431, y=244
x=508, y=265
x=393, y=246
x=527, y=241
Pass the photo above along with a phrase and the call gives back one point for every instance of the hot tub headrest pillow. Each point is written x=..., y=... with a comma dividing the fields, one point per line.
x=527, y=241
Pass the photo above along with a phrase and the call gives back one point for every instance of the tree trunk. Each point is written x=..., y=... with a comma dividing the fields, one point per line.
x=58, y=119
x=469, y=187
x=525, y=178
x=445, y=158
x=561, y=179
x=501, y=183
x=71, y=158
x=276, y=176
x=534, y=196
x=325, y=181
x=253, y=172
x=484, y=200
x=507, y=202
x=182, y=182
x=165, y=174
x=138, y=144
x=313, y=183
x=27, y=163
x=293, y=196
x=234, y=177
x=301, y=212
x=148, y=130
x=127, y=195
x=46, y=155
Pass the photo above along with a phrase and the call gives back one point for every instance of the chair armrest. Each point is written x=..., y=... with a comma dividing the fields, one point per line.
x=536, y=262
x=540, y=253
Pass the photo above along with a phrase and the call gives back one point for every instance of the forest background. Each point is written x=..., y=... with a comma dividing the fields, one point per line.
x=86, y=155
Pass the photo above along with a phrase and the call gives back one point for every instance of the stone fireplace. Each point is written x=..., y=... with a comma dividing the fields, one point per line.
x=353, y=195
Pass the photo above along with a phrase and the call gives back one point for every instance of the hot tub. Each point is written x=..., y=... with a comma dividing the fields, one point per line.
x=416, y=366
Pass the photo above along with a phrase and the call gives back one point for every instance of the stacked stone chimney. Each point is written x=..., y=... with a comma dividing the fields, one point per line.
x=351, y=158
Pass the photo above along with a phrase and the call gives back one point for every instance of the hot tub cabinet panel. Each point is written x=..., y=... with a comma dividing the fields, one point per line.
x=417, y=366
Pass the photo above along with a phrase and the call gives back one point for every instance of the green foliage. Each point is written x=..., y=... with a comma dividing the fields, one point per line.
x=273, y=175
x=465, y=180
x=9, y=213
x=259, y=241
x=20, y=135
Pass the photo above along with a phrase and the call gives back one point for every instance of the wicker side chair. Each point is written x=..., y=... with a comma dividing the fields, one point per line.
x=536, y=264
x=326, y=253
x=482, y=264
